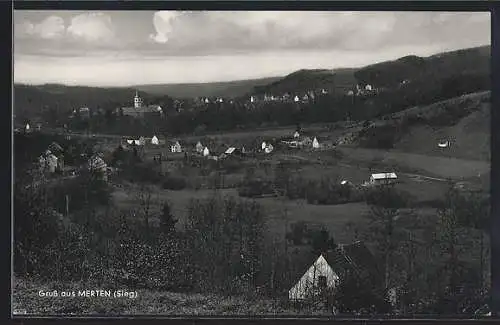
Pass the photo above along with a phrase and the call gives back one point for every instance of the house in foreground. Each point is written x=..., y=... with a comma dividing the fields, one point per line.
x=330, y=270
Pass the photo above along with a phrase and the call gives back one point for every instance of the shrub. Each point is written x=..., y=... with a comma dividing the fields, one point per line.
x=254, y=188
x=174, y=183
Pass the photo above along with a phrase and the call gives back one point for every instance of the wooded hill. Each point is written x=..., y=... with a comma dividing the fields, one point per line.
x=474, y=62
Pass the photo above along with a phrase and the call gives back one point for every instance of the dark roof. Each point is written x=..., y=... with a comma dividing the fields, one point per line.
x=361, y=258
x=356, y=256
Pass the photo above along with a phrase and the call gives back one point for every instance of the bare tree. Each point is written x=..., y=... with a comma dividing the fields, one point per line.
x=144, y=196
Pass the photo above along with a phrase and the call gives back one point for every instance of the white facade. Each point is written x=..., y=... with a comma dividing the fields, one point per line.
x=230, y=150
x=264, y=145
x=269, y=148
x=206, y=152
x=309, y=282
x=315, y=143
x=369, y=88
x=176, y=147
x=296, y=134
x=155, y=140
x=444, y=144
x=199, y=147
x=51, y=161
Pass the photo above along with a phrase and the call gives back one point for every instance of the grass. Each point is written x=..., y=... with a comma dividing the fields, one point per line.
x=443, y=167
x=148, y=302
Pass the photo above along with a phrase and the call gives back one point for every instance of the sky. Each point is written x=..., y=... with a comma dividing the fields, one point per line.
x=124, y=48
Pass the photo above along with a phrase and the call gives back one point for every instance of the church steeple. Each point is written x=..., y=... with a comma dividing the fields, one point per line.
x=137, y=100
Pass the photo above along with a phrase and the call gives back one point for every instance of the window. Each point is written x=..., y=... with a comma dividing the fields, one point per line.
x=322, y=281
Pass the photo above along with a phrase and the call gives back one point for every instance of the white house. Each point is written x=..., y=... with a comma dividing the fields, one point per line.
x=368, y=88
x=315, y=143
x=382, y=178
x=269, y=148
x=176, y=147
x=130, y=141
x=27, y=127
x=296, y=134
x=264, y=145
x=199, y=147
x=350, y=93
x=206, y=152
x=155, y=140
x=137, y=142
x=444, y=144
x=296, y=99
x=230, y=150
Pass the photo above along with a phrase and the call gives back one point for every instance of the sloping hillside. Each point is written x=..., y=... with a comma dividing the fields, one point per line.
x=473, y=61
x=229, y=89
x=305, y=80
x=454, y=73
x=463, y=121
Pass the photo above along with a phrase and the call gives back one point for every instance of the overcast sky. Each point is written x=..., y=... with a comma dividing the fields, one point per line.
x=121, y=48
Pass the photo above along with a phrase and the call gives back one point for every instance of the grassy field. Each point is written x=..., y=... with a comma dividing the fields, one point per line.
x=443, y=167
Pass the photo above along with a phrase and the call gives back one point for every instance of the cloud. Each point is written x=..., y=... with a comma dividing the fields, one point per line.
x=51, y=27
x=204, y=33
x=91, y=27
x=212, y=31
x=163, y=21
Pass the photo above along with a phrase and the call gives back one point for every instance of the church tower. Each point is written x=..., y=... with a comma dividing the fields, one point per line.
x=137, y=100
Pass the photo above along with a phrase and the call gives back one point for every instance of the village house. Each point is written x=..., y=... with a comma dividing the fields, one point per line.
x=139, y=110
x=154, y=140
x=315, y=143
x=98, y=166
x=199, y=147
x=176, y=148
x=48, y=162
x=333, y=268
x=383, y=178
x=269, y=148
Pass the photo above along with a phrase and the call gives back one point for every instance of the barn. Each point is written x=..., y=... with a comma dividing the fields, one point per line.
x=383, y=178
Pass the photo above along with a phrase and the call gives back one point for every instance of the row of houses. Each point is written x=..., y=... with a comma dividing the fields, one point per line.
x=52, y=161
x=287, y=97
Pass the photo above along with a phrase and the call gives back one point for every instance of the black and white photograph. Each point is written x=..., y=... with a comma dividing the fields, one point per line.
x=251, y=163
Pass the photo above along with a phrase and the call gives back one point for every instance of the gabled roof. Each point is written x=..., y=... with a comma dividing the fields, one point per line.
x=356, y=256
